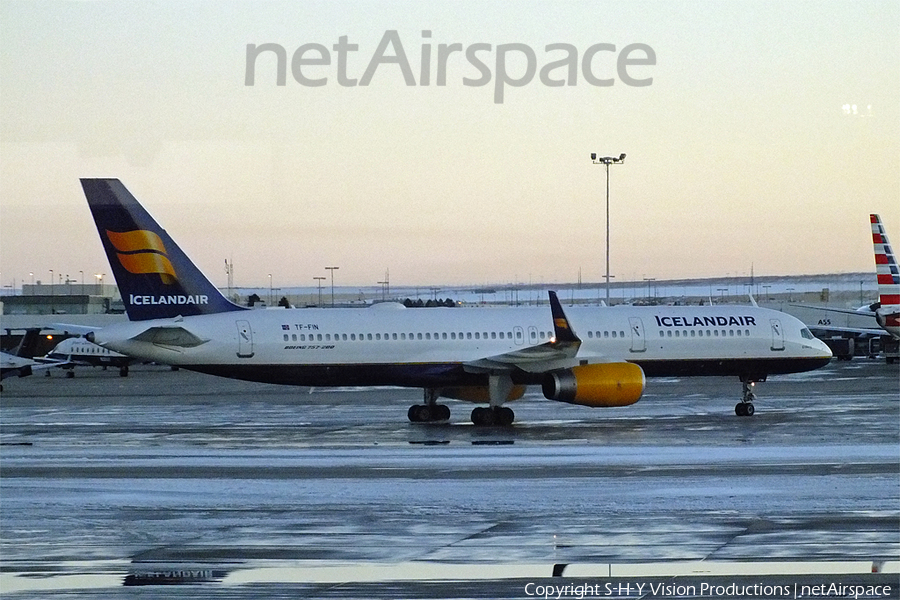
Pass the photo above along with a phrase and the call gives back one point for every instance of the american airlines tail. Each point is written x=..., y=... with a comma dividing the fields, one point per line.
x=888, y=273
x=156, y=279
x=885, y=265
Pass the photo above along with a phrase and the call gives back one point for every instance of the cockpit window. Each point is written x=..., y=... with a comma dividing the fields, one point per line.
x=806, y=333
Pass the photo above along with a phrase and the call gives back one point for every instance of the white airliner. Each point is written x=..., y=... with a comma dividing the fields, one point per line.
x=594, y=356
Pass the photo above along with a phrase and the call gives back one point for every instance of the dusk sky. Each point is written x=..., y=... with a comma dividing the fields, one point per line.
x=767, y=134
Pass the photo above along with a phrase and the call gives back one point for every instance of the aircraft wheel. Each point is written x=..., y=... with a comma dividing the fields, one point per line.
x=482, y=417
x=414, y=413
x=443, y=412
x=123, y=372
x=744, y=409
x=70, y=374
x=504, y=416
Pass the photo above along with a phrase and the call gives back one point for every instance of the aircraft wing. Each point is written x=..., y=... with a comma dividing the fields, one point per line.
x=857, y=330
x=558, y=353
x=17, y=366
x=844, y=311
x=70, y=328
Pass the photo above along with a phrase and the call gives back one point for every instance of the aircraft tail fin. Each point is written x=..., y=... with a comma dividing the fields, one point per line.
x=886, y=268
x=28, y=345
x=155, y=277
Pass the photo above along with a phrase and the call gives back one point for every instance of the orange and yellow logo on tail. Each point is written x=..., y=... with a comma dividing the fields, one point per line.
x=142, y=252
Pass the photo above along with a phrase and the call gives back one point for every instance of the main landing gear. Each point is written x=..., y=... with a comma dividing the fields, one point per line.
x=744, y=408
x=495, y=415
x=430, y=411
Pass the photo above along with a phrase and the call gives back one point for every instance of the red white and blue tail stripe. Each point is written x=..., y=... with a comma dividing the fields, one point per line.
x=888, y=312
x=885, y=265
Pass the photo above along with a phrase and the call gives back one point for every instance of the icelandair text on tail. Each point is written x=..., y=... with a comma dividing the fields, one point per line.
x=514, y=64
x=154, y=300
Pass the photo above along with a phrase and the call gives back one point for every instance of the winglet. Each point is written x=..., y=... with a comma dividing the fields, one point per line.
x=562, y=331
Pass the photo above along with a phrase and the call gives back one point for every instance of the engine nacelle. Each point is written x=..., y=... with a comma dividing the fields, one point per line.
x=605, y=384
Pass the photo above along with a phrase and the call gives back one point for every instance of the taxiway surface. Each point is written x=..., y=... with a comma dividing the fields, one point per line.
x=251, y=489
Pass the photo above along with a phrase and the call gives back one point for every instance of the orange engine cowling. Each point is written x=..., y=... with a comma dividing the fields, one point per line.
x=605, y=384
x=479, y=394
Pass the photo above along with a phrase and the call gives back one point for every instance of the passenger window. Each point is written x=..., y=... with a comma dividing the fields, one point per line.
x=285, y=337
x=369, y=337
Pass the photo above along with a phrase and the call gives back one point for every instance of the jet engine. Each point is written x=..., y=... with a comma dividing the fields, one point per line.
x=605, y=384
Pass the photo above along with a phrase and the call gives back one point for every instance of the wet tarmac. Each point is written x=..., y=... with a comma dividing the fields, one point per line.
x=246, y=490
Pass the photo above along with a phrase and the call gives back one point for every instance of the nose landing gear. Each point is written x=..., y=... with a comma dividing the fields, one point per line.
x=744, y=408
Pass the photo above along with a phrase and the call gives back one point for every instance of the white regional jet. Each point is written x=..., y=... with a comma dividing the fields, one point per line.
x=592, y=356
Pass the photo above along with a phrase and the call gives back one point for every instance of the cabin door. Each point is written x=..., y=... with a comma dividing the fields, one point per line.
x=245, y=339
x=777, y=334
x=638, y=340
x=519, y=334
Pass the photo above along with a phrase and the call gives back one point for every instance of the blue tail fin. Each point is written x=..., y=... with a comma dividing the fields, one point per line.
x=156, y=279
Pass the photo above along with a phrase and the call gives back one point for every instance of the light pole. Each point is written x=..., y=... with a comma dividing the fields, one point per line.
x=332, y=269
x=649, y=280
x=607, y=160
x=270, y=291
x=319, y=280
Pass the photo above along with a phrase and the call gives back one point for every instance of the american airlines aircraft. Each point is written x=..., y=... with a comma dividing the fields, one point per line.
x=887, y=310
x=592, y=356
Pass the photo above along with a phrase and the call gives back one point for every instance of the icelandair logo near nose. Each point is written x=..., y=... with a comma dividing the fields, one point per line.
x=142, y=252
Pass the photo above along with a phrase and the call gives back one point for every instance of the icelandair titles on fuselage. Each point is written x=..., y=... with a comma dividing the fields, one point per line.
x=704, y=321
x=153, y=300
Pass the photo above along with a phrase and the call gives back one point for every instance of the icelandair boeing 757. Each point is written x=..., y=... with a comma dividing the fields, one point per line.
x=592, y=356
